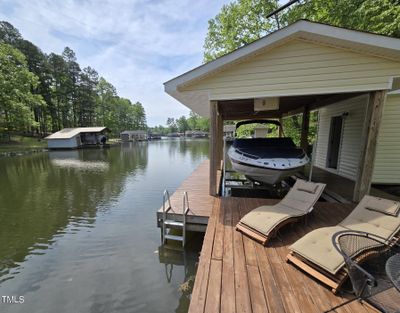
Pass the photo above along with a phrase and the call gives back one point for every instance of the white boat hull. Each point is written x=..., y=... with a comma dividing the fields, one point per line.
x=263, y=175
x=277, y=169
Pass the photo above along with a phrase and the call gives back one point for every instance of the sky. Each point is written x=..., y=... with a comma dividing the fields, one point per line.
x=136, y=45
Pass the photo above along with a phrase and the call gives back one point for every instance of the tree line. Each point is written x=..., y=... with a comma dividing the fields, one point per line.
x=43, y=93
x=179, y=125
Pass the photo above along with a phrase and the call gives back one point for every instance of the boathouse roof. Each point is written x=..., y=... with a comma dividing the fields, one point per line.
x=213, y=80
x=67, y=133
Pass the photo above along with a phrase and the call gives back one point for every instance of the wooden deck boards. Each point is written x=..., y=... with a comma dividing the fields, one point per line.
x=236, y=274
x=200, y=202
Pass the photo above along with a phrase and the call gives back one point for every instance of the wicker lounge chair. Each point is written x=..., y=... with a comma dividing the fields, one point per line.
x=264, y=222
x=315, y=254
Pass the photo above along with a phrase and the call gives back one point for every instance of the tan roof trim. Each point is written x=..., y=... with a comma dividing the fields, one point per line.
x=363, y=42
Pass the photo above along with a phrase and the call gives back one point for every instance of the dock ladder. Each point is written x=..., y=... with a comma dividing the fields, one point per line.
x=175, y=221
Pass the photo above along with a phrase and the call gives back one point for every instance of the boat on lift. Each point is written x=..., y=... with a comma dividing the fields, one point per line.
x=266, y=160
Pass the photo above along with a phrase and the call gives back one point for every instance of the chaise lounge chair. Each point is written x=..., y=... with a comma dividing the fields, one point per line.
x=264, y=222
x=315, y=254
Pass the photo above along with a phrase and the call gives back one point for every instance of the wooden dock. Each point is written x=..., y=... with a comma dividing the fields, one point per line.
x=236, y=274
x=200, y=202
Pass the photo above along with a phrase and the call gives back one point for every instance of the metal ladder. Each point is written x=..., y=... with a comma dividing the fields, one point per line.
x=168, y=224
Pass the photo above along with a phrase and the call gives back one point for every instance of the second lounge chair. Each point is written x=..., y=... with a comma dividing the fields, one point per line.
x=315, y=254
x=263, y=223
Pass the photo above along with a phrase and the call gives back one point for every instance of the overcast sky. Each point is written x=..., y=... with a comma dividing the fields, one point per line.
x=134, y=44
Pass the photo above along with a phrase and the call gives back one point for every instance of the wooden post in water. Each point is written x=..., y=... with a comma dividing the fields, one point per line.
x=372, y=122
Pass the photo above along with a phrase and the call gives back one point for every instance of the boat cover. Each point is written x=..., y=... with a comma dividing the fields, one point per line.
x=268, y=148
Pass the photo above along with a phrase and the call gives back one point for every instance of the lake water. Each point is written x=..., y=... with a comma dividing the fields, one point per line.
x=78, y=229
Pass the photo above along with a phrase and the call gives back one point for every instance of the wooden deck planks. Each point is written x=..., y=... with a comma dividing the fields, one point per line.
x=203, y=272
x=236, y=274
x=228, y=280
x=242, y=291
x=197, y=187
x=213, y=300
x=258, y=302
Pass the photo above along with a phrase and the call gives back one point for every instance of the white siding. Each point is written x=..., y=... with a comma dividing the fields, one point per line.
x=62, y=143
x=297, y=68
x=387, y=161
x=349, y=152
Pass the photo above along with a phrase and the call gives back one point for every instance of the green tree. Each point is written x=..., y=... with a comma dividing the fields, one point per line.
x=16, y=98
x=72, y=97
x=73, y=74
x=37, y=64
x=9, y=34
x=59, y=77
x=238, y=24
x=172, y=125
x=107, y=98
x=243, y=21
x=89, y=79
x=36, y=61
x=379, y=16
x=182, y=124
x=196, y=122
x=138, y=116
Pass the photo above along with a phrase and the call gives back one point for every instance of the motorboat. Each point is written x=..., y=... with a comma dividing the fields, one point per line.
x=266, y=160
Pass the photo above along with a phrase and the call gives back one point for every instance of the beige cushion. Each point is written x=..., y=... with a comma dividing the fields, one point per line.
x=317, y=247
x=296, y=203
x=306, y=186
x=373, y=222
x=381, y=205
x=303, y=200
x=265, y=218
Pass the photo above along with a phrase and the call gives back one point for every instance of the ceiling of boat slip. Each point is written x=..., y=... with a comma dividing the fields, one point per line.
x=268, y=148
x=244, y=108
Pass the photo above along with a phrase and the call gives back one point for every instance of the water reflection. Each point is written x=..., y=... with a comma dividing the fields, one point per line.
x=80, y=225
x=40, y=198
x=177, y=259
x=73, y=160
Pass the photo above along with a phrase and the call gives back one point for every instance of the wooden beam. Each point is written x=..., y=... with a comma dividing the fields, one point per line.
x=249, y=115
x=304, y=128
x=369, y=139
x=322, y=101
x=213, y=147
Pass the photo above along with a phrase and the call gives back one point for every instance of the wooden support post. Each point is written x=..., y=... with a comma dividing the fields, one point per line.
x=304, y=128
x=220, y=135
x=213, y=147
x=281, y=127
x=369, y=139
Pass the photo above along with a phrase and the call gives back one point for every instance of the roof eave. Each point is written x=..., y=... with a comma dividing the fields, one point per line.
x=301, y=29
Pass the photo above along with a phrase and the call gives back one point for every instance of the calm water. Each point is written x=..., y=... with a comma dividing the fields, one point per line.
x=78, y=229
